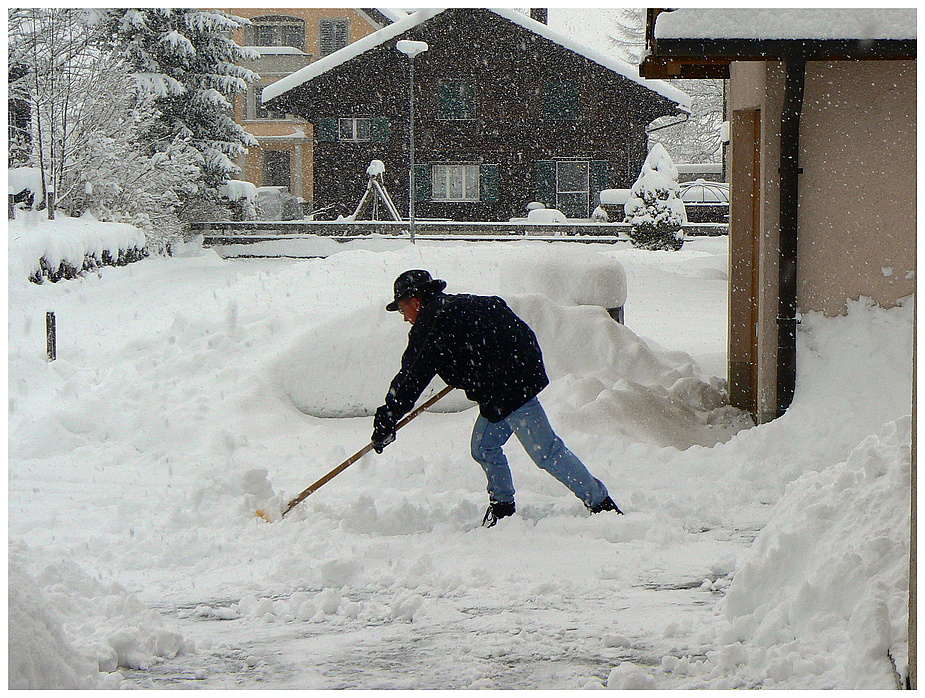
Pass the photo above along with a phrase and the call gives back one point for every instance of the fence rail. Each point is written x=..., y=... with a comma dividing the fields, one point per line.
x=244, y=232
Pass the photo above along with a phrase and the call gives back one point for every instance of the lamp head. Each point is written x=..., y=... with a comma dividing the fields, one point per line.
x=411, y=48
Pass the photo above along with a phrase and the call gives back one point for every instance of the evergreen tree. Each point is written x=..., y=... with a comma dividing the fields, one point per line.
x=655, y=210
x=187, y=59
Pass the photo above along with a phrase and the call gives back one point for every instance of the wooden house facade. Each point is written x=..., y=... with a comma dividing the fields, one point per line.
x=507, y=112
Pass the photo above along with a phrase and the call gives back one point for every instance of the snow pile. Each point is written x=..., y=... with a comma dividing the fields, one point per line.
x=618, y=382
x=820, y=600
x=629, y=677
x=40, y=656
x=71, y=631
x=546, y=215
x=39, y=248
x=829, y=572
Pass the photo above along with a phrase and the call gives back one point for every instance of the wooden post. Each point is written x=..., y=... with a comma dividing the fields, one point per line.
x=50, y=339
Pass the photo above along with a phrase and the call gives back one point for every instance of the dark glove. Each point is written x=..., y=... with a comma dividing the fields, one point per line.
x=383, y=431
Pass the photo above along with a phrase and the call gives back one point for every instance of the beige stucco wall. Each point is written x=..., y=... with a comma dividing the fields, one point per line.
x=858, y=187
x=857, y=206
x=293, y=135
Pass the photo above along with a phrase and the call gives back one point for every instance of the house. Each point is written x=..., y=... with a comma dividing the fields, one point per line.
x=286, y=41
x=507, y=112
x=822, y=168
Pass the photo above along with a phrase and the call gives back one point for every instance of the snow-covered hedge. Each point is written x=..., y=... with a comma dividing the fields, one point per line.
x=65, y=248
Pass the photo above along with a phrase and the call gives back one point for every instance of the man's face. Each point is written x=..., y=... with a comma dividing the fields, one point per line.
x=409, y=308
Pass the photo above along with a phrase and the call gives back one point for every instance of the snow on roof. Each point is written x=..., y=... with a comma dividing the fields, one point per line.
x=782, y=24
x=393, y=14
x=378, y=38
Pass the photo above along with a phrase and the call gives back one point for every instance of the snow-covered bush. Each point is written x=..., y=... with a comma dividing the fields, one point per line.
x=242, y=197
x=67, y=248
x=655, y=209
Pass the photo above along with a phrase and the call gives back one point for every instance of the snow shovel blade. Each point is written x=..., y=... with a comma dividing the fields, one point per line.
x=354, y=458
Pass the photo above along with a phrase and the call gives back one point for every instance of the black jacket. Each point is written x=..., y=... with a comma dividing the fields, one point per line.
x=475, y=343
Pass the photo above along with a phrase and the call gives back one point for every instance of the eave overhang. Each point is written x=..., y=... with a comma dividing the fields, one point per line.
x=710, y=58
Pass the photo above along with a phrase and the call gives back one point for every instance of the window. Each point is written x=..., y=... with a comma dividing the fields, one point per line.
x=335, y=34
x=455, y=183
x=279, y=30
x=560, y=100
x=354, y=130
x=456, y=100
x=276, y=168
x=572, y=179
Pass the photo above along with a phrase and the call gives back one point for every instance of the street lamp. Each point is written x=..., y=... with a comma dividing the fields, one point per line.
x=411, y=49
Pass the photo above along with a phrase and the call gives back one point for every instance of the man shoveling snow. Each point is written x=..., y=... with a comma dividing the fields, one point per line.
x=478, y=344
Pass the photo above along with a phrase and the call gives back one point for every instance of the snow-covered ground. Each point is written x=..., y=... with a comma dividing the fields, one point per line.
x=189, y=391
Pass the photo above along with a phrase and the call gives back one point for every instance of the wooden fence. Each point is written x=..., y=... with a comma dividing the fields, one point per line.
x=243, y=232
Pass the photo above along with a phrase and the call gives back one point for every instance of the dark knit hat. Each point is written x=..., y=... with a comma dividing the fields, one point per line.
x=414, y=282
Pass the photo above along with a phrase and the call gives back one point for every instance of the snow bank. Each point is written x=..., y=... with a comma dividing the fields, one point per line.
x=39, y=248
x=68, y=630
x=820, y=598
x=830, y=572
x=617, y=382
x=40, y=656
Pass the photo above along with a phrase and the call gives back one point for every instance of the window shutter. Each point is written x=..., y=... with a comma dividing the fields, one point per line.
x=380, y=130
x=488, y=181
x=546, y=182
x=456, y=100
x=335, y=34
x=326, y=129
x=560, y=100
x=601, y=178
x=422, y=183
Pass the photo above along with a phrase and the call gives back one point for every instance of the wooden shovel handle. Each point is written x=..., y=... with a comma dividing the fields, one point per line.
x=362, y=452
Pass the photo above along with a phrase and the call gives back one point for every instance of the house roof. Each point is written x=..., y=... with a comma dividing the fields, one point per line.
x=701, y=43
x=392, y=31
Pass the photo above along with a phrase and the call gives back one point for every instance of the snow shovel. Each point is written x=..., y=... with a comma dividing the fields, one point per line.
x=356, y=456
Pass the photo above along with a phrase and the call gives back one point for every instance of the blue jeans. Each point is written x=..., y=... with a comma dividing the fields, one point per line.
x=546, y=449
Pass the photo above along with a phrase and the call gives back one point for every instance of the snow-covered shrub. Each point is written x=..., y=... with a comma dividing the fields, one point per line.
x=242, y=198
x=655, y=209
x=67, y=248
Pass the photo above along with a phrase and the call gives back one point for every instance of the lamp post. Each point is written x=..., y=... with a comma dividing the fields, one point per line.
x=411, y=49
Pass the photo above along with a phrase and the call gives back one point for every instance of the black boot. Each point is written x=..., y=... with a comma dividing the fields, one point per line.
x=607, y=505
x=497, y=510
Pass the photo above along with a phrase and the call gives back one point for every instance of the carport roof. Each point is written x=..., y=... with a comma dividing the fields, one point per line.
x=700, y=43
